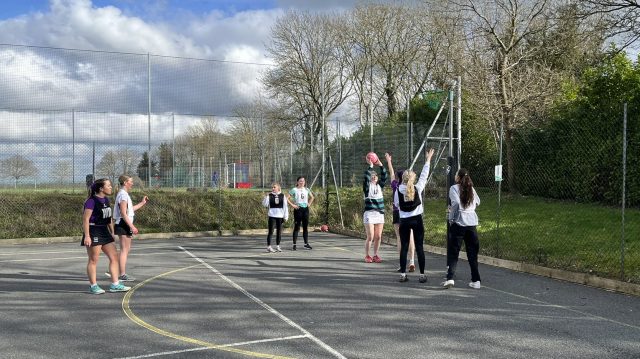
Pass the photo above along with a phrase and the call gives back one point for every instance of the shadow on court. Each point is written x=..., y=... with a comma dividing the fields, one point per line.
x=227, y=298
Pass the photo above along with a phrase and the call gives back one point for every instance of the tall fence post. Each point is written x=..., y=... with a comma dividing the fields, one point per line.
x=149, y=119
x=624, y=183
x=73, y=150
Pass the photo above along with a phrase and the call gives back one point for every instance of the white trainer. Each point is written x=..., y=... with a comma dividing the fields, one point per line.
x=475, y=285
x=448, y=283
x=278, y=249
x=270, y=250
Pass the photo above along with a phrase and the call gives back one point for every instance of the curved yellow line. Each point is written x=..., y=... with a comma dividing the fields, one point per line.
x=127, y=310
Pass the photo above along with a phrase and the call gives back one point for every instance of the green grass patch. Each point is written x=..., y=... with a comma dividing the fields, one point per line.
x=558, y=234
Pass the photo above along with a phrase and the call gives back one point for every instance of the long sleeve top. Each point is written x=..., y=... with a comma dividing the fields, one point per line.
x=373, y=197
x=277, y=204
x=464, y=217
x=419, y=187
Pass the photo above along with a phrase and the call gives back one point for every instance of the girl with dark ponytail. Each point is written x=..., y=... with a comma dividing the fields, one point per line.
x=97, y=227
x=463, y=221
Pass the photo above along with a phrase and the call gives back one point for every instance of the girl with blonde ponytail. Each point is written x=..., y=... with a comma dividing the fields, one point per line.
x=408, y=199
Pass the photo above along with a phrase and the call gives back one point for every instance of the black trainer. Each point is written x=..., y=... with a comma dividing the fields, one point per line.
x=423, y=278
x=307, y=246
x=294, y=248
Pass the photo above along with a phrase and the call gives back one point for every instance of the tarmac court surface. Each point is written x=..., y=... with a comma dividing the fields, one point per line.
x=225, y=297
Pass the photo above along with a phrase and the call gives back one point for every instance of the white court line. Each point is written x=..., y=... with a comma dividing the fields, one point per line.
x=269, y=308
x=564, y=307
x=207, y=348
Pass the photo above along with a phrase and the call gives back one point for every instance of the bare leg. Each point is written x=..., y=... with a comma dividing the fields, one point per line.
x=94, y=254
x=377, y=237
x=112, y=253
x=368, y=228
x=125, y=248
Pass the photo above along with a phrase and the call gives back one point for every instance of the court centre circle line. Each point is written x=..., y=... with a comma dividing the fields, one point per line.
x=134, y=318
x=322, y=344
x=59, y=258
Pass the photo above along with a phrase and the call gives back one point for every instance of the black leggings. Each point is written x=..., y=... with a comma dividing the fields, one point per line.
x=301, y=216
x=469, y=235
x=277, y=222
x=406, y=226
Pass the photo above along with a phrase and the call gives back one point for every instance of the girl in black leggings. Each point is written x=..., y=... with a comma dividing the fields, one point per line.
x=408, y=199
x=278, y=213
x=300, y=198
x=463, y=221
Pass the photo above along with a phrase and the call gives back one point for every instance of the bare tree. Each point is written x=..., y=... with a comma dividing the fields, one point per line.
x=61, y=171
x=108, y=166
x=394, y=53
x=17, y=167
x=504, y=73
x=127, y=160
x=310, y=77
x=620, y=17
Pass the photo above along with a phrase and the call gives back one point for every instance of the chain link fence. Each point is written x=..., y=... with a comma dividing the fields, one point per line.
x=67, y=115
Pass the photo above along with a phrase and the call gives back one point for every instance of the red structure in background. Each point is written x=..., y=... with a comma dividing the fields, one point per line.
x=239, y=175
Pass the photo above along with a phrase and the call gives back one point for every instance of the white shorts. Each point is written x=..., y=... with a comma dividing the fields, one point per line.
x=373, y=217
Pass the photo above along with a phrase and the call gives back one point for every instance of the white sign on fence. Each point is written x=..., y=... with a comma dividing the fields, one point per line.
x=498, y=173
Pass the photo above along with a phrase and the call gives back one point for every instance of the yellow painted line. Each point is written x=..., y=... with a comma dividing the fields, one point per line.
x=127, y=310
x=82, y=257
x=75, y=250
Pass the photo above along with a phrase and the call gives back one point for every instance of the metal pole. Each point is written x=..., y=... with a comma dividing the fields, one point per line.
x=459, y=121
x=451, y=123
x=149, y=118
x=428, y=133
x=339, y=153
x=73, y=150
x=173, y=151
x=371, y=125
x=624, y=184
x=337, y=191
x=408, y=131
x=291, y=155
x=499, y=194
x=324, y=131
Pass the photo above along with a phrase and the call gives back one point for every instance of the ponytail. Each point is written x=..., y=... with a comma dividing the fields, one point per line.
x=409, y=179
x=122, y=180
x=466, y=187
x=97, y=186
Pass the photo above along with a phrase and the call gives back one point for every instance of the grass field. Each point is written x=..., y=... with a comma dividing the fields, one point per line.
x=578, y=237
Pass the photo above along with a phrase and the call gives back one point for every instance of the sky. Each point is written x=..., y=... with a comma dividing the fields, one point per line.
x=193, y=28
x=231, y=31
x=206, y=58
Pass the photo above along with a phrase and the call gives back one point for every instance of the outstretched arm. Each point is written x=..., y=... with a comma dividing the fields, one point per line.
x=392, y=174
x=422, y=181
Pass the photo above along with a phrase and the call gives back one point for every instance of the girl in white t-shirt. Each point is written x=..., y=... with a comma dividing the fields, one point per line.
x=123, y=214
x=300, y=198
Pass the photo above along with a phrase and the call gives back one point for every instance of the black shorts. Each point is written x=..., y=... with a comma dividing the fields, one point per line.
x=100, y=235
x=396, y=217
x=123, y=229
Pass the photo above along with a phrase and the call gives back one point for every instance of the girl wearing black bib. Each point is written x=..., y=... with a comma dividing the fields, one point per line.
x=408, y=199
x=97, y=226
x=278, y=213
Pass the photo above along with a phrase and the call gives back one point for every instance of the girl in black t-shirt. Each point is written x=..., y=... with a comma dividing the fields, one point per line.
x=97, y=227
